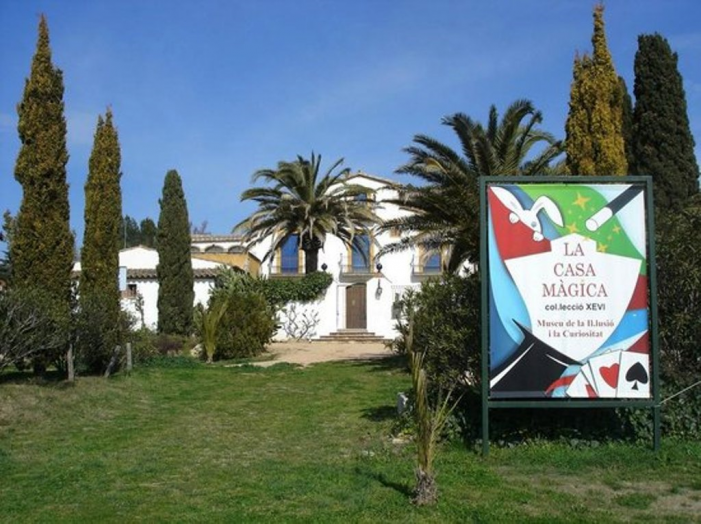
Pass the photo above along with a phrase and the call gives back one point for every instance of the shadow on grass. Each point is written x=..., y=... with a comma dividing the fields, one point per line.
x=391, y=363
x=50, y=378
x=401, y=487
x=380, y=413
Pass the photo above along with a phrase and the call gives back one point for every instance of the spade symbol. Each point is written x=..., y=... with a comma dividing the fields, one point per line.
x=638, y=374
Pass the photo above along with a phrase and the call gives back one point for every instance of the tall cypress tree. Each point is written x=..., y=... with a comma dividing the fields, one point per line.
x=595, y=143
x=175, y=278
x=103, y=212
x=626, y=104
x=663, y=145
x=99, y=288
x=42, y=245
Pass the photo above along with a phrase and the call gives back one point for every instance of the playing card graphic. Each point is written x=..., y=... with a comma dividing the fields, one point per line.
x=580, y=387
x=589, y=375
x=606, y=372
x=634, y=375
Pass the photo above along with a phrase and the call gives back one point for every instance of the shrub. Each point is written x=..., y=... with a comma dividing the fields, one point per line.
x=447, y=326
x=96, y=333
x=170, y=345
x=278, y=291
x=679, y=305
x=308, y=288
x=246, y=327
x=679, y=293
x=32, y=328
x=143, y=345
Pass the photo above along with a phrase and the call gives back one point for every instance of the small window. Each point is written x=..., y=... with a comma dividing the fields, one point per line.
x=130, y=292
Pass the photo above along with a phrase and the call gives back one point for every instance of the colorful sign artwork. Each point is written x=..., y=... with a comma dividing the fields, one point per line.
x=568, y=291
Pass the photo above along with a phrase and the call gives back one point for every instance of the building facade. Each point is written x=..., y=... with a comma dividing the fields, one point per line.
x=366, y=288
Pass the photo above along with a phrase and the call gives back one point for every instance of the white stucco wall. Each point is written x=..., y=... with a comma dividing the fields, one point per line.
x=148, y=290
x=143, y=258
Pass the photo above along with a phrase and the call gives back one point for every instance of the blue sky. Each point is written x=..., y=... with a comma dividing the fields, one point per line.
x=219, y=88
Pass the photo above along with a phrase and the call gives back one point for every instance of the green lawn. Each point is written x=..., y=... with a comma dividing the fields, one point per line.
x=284, y=444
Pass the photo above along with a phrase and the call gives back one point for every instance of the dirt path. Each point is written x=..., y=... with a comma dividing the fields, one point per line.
x=305, y=353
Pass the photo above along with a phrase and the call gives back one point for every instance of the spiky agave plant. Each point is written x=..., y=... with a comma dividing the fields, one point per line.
x=430, y=421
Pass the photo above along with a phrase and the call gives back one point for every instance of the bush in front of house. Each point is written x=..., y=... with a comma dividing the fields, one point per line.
x=446, y=314
x=246, y=326
x=278, y=292
x=148, y=346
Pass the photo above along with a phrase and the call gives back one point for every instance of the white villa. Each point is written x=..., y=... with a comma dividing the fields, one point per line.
x=362, y=299
x=361, y=302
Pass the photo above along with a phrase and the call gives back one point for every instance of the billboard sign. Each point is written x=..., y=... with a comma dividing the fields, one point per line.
x=568, y=301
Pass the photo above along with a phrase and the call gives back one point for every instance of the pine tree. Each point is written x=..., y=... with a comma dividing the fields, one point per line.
x=175, y=278
x=148, y=232
x=131, y=235
x=99, y=288
x=663, y=144
x=595, y=143
x=42, y=245
x=135, y=233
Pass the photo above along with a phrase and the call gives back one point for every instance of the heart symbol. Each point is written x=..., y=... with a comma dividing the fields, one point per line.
x=610, y=374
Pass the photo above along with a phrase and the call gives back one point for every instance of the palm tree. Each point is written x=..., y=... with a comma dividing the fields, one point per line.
x=301, y=203
x=445, y=209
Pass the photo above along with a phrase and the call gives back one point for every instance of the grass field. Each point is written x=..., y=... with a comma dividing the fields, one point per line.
x=284, y=444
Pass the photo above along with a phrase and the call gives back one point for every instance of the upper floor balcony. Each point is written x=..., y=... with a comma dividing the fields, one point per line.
x=359, y=271
x=286, y=272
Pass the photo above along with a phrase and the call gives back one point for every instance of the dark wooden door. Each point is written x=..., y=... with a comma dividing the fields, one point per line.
x=356, y=310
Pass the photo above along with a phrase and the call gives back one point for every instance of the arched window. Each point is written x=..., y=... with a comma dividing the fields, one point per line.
x=433, y=262
x=360, y=254
x=289, y=255
x=214, y=249
x=194, y=249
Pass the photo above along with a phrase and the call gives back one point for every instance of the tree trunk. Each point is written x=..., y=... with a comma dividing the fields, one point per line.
x=311, y=260
x=311, y=247
x=426, y=491
x=130, y=364
x=70, y=363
